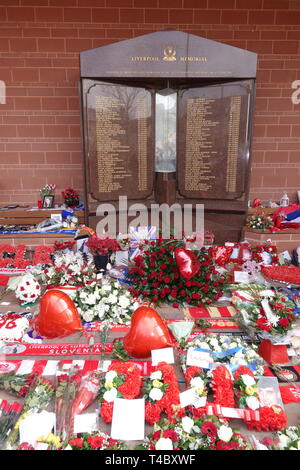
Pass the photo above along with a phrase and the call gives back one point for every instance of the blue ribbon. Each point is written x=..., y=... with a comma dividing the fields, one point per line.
x=221, y=355
x=233, y=367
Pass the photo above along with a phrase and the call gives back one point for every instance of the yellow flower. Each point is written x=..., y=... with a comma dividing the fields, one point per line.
x=200, y=390
x=50, y=439
x=108, y=385
x=251, y=390
x=21, y=419
x=157, y=384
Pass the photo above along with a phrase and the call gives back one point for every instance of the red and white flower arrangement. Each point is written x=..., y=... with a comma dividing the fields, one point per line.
x=185, y=433
x=269, y=317
x=265, y=253
x=122, y=380
x=94, y=441
x=28, y=290
x=245, y=386
x=68, y=269
x=13, y=326
x=194, y=378
x=162, y=394
x=156, y=277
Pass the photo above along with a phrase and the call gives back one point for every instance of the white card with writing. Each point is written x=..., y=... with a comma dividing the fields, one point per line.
x=128, y=421
x=86, y=422
x=241, y=277
x=198, y=358
x=162, y=355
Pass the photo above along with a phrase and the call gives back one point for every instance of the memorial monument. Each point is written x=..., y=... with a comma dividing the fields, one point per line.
x=167, y=118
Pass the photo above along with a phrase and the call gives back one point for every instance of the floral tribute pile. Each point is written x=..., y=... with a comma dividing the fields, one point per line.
x=156, y=277
x=161, y=393
x=206, y=433
x=122, y=380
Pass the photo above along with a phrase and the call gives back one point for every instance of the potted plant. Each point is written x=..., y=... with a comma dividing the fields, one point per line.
x=102, y=247
x=71, y=198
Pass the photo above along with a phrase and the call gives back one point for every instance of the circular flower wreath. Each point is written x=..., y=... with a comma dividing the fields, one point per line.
x=156, y=277
x=13, y=326
x=161, y=394
x=266, y=254
x=122, y=380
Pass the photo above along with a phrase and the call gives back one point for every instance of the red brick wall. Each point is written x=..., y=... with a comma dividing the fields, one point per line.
x=39, y=45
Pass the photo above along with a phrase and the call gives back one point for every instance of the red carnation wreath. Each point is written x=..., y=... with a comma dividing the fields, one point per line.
x=282, y=273
x=42, y=255
x=15, y=256
x=167, y=383
x=272, y=418
x=222, y=386
x=127, y=382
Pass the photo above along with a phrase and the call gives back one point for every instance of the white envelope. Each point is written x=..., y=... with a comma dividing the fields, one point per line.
x=162, y=355
x=128, y=421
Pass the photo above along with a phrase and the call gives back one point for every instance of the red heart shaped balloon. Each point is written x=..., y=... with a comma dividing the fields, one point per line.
x=147, y=332
x=58, y=316
x=187, y=263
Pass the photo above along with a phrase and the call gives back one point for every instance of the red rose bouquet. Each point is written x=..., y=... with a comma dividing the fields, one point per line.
x=102, y=244
x=71, y=197
x=156, y=277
